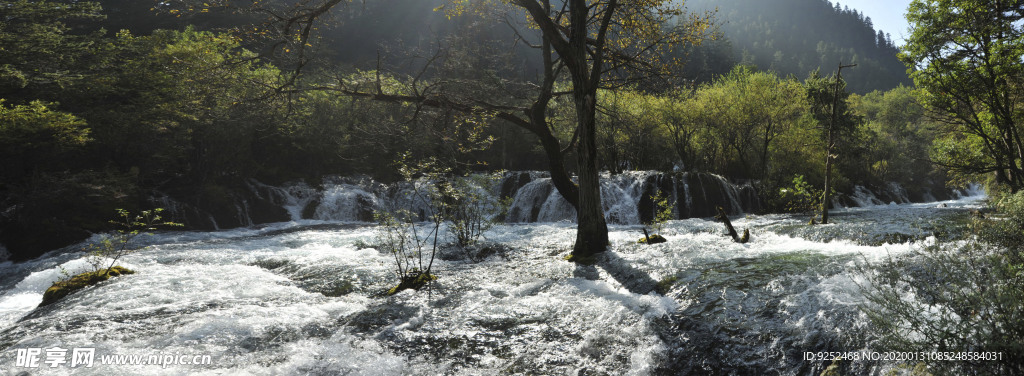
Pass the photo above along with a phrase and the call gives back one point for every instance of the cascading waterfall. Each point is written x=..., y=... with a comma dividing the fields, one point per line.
x=180, y=212
x=898, y=193
x=345, y=202
x=894, y=194
x=293, y=197
x=626, y=199
x=864, y=198
x=244, y=214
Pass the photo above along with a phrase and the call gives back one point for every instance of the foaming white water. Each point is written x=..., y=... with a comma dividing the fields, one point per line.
x=304, y=297
x=292, y=197
x=344, y=202
x=864, y=198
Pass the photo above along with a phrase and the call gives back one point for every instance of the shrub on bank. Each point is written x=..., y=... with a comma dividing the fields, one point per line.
x=958, y=297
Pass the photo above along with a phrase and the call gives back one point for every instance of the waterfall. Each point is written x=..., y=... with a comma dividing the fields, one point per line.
x=898, y=193
x=181, y=212
x=689, y=198
x=528, y=201
x=293, y=197
x=974, y=190
x=626, y=197
x=345, y=202
x=894, y=193
x=863, y=197
x=243, y=212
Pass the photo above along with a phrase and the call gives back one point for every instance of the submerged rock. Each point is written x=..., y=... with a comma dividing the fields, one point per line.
x=61, y=289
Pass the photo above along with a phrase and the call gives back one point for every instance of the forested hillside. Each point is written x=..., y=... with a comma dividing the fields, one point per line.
x=794, y=37
x=788, y=37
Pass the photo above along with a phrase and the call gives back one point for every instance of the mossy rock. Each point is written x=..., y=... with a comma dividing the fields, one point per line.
x=413, y=281
x=585, y=260
x=61, y=289
x=832, y=369
x=654, y=239
x=665, y=284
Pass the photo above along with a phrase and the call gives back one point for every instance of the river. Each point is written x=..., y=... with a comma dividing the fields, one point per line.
x=305, y=297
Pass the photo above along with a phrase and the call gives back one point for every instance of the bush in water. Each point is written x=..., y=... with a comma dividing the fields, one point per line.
x=112, y=247
x=398, y=233
x=470, y=207
x=662, y=214
x=961, y=298
x=129, y=227
x=399, y=236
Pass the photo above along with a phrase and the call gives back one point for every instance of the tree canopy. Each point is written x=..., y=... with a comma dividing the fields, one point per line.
x=967, y=58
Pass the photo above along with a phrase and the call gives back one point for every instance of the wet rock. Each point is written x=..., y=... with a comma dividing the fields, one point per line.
x=512, y=182
x=653, y=239
x=61, y=289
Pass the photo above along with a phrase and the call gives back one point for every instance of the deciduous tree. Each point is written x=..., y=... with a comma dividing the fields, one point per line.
x=966, y=55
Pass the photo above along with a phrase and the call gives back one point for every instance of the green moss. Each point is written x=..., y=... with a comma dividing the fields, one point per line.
x=61, y=289
x=832, y=370
x=586, y=260
x=654, y=239
x=919, y=369
x=413, y=281
x=665, y=284
x=746, y=236
x=339, y=288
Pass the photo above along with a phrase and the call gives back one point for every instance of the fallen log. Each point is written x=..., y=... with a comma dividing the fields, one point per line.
x=732, y=231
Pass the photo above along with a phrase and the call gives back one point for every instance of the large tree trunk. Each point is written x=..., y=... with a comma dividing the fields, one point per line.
x=592, y=231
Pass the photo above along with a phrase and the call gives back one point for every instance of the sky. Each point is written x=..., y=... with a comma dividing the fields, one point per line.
x=886, y=15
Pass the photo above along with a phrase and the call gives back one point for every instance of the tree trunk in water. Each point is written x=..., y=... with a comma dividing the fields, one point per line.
x=592, y=231
x=828, y=180
x=732, y=230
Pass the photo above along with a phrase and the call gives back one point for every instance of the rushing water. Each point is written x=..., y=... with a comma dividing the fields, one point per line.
x=305, y=297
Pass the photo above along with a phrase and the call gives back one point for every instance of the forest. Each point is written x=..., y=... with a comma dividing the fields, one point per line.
x=792, y=38
x=115, y=107
x=115, y=101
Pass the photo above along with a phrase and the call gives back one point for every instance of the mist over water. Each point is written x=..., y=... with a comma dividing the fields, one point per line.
x=305, y=297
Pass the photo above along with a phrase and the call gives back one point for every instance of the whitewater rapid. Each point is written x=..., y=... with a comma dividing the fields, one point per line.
x=305, y=297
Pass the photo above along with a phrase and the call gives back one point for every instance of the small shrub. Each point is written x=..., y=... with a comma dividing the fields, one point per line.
x=129, y=227
x=800, y=197
x=111, y=247
x=398, y=233
x=964, y=295
x=399, y=236
x=662, y=214
x=469, y=206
